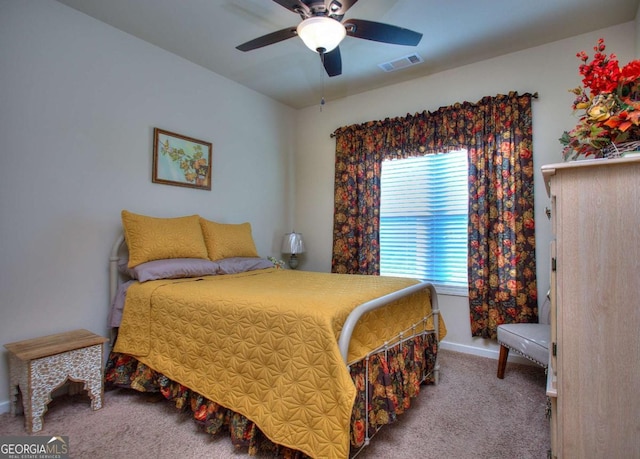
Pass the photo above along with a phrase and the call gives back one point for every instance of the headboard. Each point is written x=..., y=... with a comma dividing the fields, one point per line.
x=114, y=274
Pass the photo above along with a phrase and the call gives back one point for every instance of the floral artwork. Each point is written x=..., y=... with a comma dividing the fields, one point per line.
x=181, y=161
x=610, y=103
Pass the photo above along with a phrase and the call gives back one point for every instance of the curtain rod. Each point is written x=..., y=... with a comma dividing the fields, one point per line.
x=333, y=134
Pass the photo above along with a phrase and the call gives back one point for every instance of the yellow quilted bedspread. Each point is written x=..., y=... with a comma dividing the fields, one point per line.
x=264, y=344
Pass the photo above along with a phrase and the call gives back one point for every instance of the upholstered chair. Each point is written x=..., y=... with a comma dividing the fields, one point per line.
x=528, y=340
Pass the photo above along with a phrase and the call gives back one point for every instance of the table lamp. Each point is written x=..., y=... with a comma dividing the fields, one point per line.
x=293, y=244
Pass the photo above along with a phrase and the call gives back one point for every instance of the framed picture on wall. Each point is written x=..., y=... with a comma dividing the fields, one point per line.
x=181, y=161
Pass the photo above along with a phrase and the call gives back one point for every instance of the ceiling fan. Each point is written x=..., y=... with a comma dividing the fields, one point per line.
x=322, y=30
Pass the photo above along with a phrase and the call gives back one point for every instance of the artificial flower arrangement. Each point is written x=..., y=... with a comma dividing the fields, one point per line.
x=611, y=105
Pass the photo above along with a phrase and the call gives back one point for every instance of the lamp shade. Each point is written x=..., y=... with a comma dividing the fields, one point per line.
x=321, y=33
x=292, y=243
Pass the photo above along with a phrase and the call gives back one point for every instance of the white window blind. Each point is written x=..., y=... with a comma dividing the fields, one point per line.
x=423, y=220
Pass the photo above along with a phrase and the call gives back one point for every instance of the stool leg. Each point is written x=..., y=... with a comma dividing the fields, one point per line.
x=17, y=374
x=91, y=373
x=502, y=360
x=39, y=398
x=95, y=390
x=13, y=399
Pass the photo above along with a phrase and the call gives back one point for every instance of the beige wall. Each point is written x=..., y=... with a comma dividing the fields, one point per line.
x=549, y=70
x=637, y=34
x=78, y=103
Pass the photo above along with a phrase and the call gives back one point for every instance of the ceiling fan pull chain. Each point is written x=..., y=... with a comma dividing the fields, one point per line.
x=322, y=102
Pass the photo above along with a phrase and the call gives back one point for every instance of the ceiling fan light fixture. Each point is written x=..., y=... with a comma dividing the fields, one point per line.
x=321, y=33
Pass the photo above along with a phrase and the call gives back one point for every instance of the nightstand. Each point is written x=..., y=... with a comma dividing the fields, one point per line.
x=39, y=366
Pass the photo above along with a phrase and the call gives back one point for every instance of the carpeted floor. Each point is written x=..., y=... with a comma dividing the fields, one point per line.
x=470, y=414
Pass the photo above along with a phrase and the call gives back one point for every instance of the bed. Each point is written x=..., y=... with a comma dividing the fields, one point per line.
x=298, y=363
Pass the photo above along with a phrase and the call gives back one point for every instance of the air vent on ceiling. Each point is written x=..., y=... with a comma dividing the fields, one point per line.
x=403, y=62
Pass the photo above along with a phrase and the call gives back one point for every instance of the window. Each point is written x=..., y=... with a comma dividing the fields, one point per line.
x=423, y=220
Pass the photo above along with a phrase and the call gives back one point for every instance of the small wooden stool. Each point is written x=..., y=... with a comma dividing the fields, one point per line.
x=39, y=366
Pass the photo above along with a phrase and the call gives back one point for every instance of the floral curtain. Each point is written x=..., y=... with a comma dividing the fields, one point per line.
x=359, y=152
x=502, y=267
x=496, y=131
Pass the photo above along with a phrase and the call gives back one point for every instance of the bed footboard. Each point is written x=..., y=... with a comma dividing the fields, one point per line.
x=417, y=329
x=358, y=312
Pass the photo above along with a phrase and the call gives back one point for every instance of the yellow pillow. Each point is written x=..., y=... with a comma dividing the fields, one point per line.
x=225, y=240
x=151, y=238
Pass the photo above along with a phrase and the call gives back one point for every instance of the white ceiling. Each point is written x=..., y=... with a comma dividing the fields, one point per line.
x=455, y=32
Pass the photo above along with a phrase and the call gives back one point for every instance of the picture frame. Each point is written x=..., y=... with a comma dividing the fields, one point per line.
x=180, y=160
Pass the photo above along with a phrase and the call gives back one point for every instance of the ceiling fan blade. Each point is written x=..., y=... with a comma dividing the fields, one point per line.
x=296, y=6
x=339, y=7
x=384, y=33
x=269, y=39
x=332, y=62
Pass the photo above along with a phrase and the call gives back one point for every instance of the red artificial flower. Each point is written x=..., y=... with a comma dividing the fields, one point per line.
x=630, y=72
x=603, y=73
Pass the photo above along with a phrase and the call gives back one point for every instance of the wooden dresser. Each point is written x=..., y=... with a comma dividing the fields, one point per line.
x=594, y=372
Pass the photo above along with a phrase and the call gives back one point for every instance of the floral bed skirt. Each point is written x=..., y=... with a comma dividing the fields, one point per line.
x=395, y=376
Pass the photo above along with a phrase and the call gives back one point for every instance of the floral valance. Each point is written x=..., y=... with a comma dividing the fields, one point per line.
x=446, y=129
